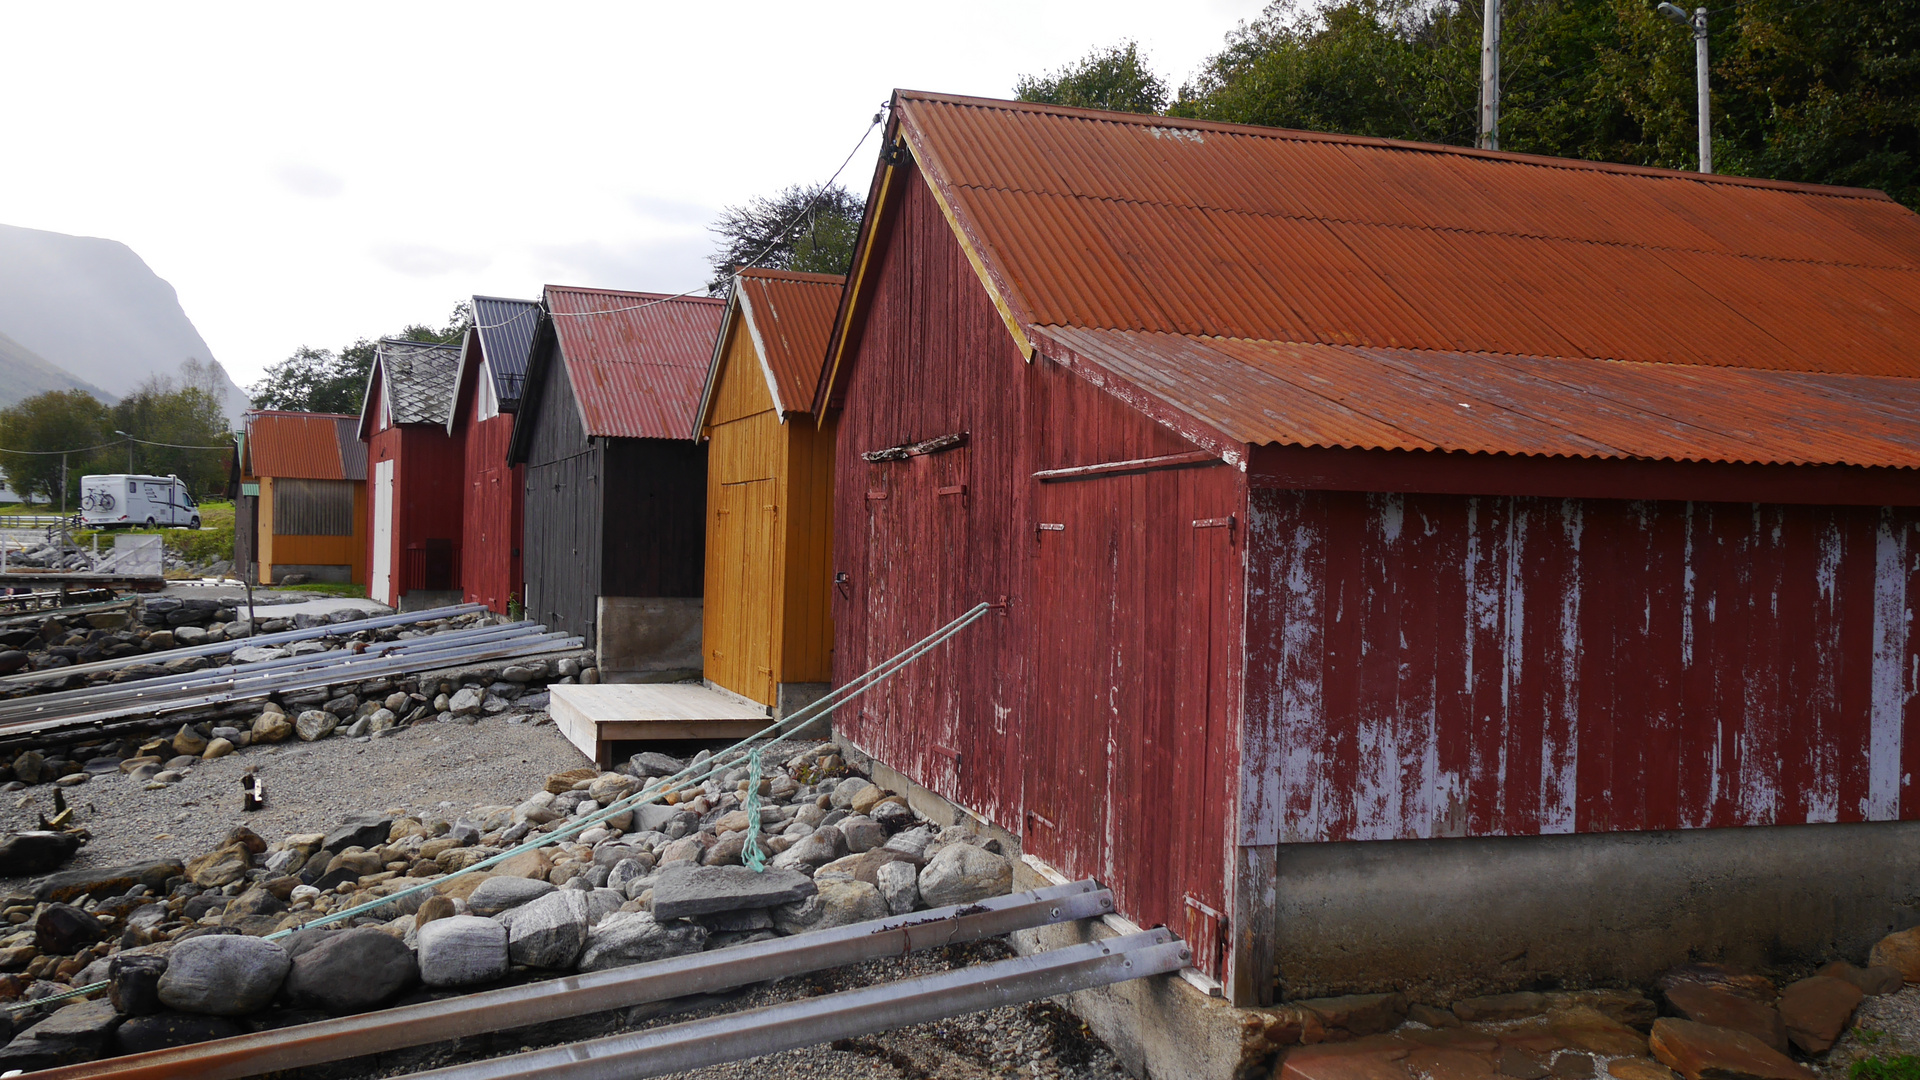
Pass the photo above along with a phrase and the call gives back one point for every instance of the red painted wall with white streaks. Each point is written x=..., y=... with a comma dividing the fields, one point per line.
x=1441, y=665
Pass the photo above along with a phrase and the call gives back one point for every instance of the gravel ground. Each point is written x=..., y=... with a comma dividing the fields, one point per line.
x=1039, y=1040
x=432, y=768
x=1883, y=1027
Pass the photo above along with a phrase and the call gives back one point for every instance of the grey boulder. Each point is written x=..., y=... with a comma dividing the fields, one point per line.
x=635, y=937
x=821, y=846
x=223, y=975
x=505, y=892
x=685, y=890
x=549, y=932
x=838, y=903
x=963, y=874
x=899, y=884
x=352, y=971
x=462, y=950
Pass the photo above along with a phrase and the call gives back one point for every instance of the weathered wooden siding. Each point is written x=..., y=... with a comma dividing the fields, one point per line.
x=654, y=536
x=746, y=455
x=1095, y=714
x=492, y=512
x=427, y=493
x=1442, y=665
x=561, y=539
x=805, y=650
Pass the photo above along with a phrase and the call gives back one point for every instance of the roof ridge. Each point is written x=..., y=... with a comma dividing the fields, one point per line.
x=771, y=273
x=1404, y=145
x=631, y=294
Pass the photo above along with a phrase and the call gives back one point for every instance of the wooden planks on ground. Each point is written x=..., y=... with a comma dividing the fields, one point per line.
x=593, y=718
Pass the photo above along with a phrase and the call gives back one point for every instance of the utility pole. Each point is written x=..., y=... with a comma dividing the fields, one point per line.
x=1698, y=24
x=1490, y=77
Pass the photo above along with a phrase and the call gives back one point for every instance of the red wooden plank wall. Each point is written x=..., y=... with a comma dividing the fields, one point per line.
x=492, y=511
x=427, y=491
x=1439, y=665
x=1094, y=716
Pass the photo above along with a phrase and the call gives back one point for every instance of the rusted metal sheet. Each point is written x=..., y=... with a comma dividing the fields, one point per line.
x=790, y=316
x=637, y=361
x=296, y=444
x=1095, y=714
x=1123, y=222
x=1402, y=399
x=1439, y=665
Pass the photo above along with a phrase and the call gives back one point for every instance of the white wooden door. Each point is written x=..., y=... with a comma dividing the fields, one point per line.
x=383, y=532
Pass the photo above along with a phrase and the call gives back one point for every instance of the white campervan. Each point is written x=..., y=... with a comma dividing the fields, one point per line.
x=132, y=501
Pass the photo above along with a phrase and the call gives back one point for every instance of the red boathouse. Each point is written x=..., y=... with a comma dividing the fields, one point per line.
x=413, y=474
x=1417, y=563
x=486, y=394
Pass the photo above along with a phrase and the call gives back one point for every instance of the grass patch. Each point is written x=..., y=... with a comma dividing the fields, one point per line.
x=1904, y=1067
x=212, y=540
x=325, y=588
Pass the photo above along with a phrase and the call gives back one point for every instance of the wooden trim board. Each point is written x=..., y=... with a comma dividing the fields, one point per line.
x=593, y=718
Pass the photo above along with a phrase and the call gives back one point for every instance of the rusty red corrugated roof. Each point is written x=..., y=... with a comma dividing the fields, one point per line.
x=790, y=316
x=1412, y=267
x=1365, y=398
x=300, y=445
x=637, y=361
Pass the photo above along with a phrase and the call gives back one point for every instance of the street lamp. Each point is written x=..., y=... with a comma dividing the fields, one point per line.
x=1697, y=22
x=129, y=439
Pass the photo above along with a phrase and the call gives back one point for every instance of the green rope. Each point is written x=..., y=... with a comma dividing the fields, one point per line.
x=751, y=855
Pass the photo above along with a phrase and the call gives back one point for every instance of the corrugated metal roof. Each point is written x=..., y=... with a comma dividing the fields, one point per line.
x=353, y=452
x=791, y=316
x=1364, y=398
x=1415, y=256
x=305, y=446
x=637, y=361
x=418, y=379
x=506, y=336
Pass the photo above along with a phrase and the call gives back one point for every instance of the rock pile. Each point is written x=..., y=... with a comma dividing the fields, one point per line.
x=372, y=708
x=185, y=949
x=1709, y=1023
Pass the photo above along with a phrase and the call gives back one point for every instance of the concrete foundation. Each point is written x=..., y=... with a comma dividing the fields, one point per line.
x=1441, y=919
x=1162, y=1028
x=425, y=599
x=648, y=639
x=332, y=575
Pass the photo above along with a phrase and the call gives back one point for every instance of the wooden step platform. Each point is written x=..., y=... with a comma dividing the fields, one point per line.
x=593, y=718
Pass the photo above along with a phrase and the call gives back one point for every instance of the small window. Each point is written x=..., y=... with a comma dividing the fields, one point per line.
x=133, y=487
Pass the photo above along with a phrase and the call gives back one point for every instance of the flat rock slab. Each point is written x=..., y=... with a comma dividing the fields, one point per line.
x=1704, y=1052
x=105, y=881
x=1359, y=1014
x=1711, y=1005
x=1816, y=1011
x=683, y=891
x=1377, y=1057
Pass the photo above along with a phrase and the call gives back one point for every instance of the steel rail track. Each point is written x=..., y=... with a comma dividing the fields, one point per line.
x=284, y=637
x=697, y=1044
x=599, y=991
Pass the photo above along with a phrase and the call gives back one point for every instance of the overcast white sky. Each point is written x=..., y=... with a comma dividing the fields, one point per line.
x=312, y=173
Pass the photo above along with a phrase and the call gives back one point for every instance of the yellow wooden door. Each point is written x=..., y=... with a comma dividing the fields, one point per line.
x=740, y=653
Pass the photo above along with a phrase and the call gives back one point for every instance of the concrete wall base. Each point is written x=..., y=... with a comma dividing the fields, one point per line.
x=648, y=638
x=1441, y=919
x=1161, y=1028
x=332, y=575
x=791, y=697
x=425, y=599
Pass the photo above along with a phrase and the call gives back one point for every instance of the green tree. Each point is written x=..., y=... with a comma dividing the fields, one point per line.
x=1115, y=78
x=53, y=421
x=806, y=228
x=1823, y=93
x=325, y=381
x=186, y=417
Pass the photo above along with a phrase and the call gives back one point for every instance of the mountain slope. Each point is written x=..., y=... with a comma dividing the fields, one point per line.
x=24, y=373
x=94, y=308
